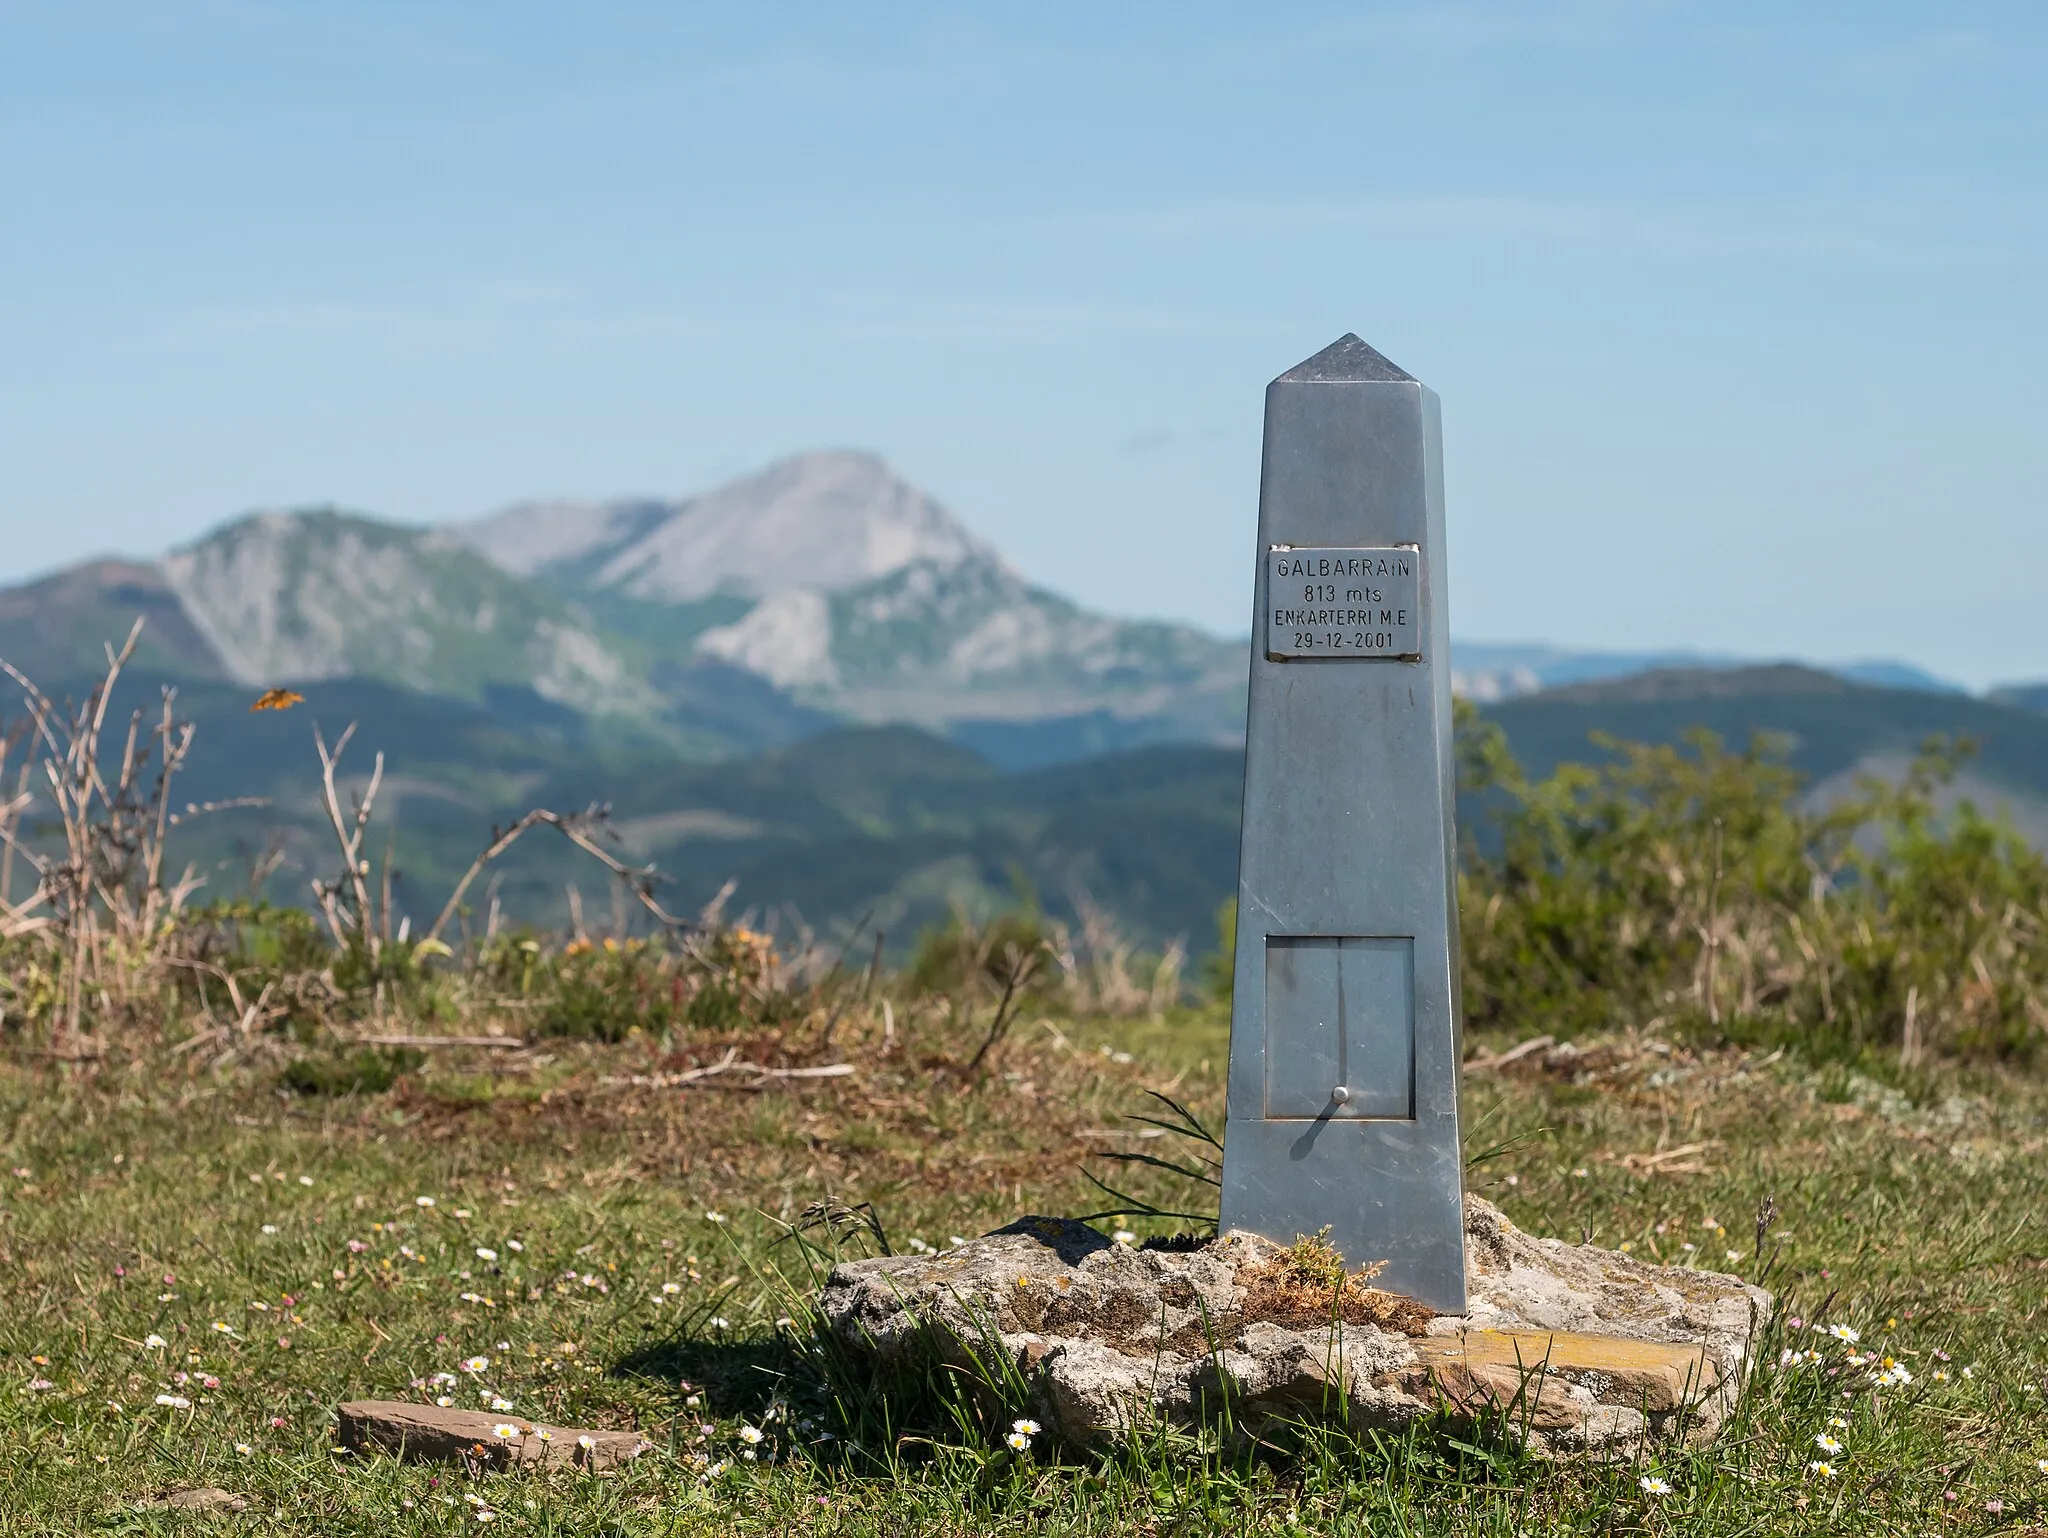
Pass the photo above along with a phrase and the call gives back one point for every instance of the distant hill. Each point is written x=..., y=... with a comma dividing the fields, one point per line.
x=888, y=821
x=60, y=624
x=843, y=821
x=1830, y=728
x=1490, y=671
x=2022, y=696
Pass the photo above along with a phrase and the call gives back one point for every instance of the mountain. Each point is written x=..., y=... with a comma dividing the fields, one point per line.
x=292, y=597
x=825, y=589
x=838, y=581
x=829, y=521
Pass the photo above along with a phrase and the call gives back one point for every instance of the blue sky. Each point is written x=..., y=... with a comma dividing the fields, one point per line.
x=1737, y=311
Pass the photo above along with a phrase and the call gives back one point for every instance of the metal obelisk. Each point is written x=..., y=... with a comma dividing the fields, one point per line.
x=1345, y=1019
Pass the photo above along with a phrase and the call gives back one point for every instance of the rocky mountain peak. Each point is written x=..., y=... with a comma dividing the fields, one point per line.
x=829, y=521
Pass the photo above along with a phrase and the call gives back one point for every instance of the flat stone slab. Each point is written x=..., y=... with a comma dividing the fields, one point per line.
x=205, y=1498
x=429, y=1434
x=1577, y=1349
x=1556, y=1379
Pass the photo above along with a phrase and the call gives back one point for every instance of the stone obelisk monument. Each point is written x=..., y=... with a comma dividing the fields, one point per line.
x=1345, y=1021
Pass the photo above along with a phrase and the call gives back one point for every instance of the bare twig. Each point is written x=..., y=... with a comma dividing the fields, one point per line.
x=729, y=1065
x=348, y=834
x=575, y=827
x=1021, y=966
x=486, y=1043
x=1514, y=1054
x=105, y=893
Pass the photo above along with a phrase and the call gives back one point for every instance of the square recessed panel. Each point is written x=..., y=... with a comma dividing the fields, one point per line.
x=1340, y=1027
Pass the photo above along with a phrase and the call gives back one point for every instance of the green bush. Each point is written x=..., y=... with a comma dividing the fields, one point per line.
x=965, y=958
x=1693, y=883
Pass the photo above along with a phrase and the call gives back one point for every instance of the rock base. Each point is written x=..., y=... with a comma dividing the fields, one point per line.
x=1572, y=1348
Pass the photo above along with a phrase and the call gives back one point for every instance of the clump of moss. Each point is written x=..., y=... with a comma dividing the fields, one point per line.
x=1306, y=1283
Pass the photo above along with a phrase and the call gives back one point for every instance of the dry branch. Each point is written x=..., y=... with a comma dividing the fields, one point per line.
x=486, y=1043
x=348, y=834
x=105, y=893
x=728, y=1065
x=573, y=826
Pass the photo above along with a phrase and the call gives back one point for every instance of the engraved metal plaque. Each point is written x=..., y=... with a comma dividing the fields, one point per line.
x=1340, y=1027
x=1331, y=601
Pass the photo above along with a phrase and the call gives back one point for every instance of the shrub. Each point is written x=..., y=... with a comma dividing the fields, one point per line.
x=1692, y=882
x=965, y=958
x=605, y=990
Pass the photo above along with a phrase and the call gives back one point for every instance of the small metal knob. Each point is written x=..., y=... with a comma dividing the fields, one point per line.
x=1341, y=1094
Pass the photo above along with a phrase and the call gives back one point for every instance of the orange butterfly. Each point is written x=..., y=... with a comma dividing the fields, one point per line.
x=277, y=699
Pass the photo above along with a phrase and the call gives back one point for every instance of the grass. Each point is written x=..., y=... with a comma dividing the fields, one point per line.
x=150, y=1199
